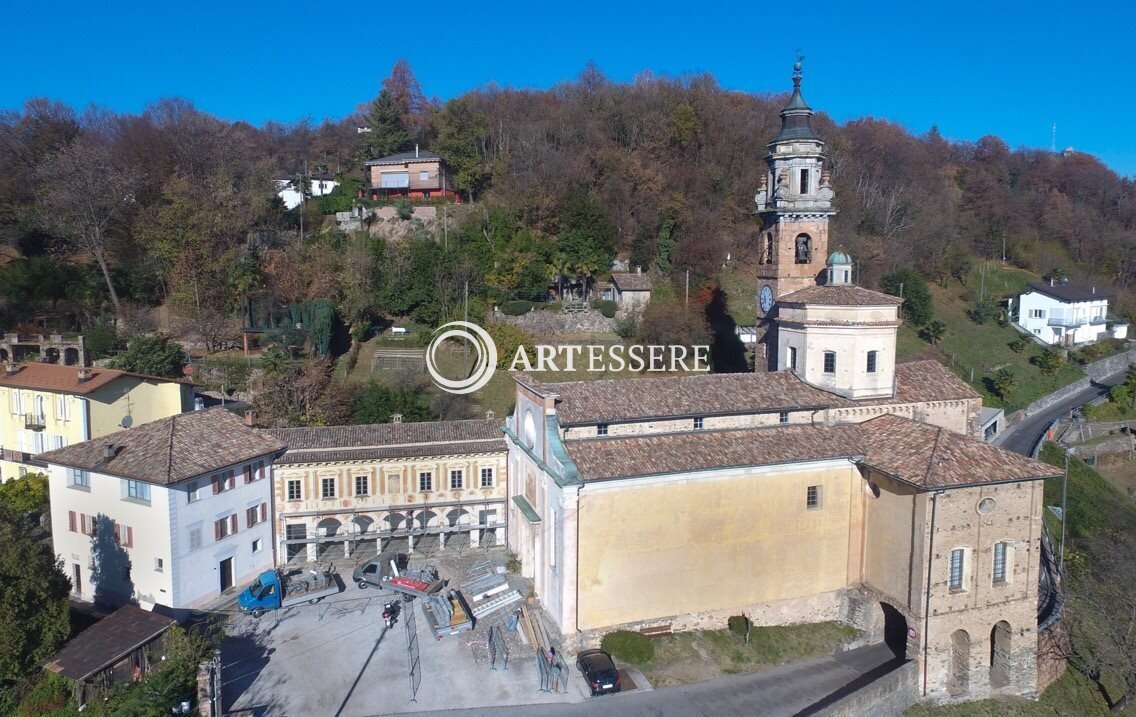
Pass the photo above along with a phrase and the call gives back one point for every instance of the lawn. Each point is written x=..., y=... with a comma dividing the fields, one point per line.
x=1073, y=694
x=691, y=657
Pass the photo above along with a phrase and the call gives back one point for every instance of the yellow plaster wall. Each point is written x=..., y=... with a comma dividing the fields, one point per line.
x=680, y=546
x=144, y=400
x=890, y=522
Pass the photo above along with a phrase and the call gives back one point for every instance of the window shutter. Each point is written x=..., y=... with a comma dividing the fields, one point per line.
x=83, y=523
x=264, y=511
x=71, y=520
x=233, y=523
x=216, y=481
x=250, y=517
x=217, y=529
x=117, y=534
x=129, y=537
x=232, y=481
x=248, y=473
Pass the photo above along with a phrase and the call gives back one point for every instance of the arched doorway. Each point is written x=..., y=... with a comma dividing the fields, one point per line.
x=895, y=631
x=958, y=683
x=327, y=528
x=1000, y=651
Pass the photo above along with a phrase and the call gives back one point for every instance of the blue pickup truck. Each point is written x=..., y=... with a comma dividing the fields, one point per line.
x=274, y=590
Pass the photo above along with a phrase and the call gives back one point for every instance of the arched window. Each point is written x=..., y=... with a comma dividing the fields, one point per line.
x=804, y=247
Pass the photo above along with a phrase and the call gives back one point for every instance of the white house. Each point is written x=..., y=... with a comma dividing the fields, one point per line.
x=319, y=184
x=1065, y=313
x=172, y=512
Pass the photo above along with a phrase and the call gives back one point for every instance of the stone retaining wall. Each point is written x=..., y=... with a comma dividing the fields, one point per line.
x=1094, y=371
x=890, y=694
x=538, y=323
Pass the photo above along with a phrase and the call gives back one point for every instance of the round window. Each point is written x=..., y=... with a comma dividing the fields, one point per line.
x=986, y=505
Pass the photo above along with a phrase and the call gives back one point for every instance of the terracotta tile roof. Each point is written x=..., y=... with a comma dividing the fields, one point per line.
x=840, y=295
x=170, y=450
x=632, y=282
x=929, y=380
x=108, y=641
x=65, y=379
x=931, y=457
x=922, y=455
x=341, y=444
x=620, y=457
x=61, y=379
x=639, y=399
x=388, y=434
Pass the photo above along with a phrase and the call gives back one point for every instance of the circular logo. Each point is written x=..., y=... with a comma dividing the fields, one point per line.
x=483, y=367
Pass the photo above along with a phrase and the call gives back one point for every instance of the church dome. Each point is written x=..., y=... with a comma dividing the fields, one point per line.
x=838, y=257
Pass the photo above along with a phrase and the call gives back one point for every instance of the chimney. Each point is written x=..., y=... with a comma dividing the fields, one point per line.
x=250, y=418
x=84, y=374
x=1051, y=281
x=638, y=269
x=11, y=369
x=199, y=404
x=490, y=415
x=1094, y=290
x=416, y=151
x=396, y=418
x=108, y=450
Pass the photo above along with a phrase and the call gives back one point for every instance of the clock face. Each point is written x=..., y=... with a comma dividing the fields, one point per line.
x=765, y=298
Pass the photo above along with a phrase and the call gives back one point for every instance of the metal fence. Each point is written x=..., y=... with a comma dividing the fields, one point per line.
x=412, y=650
x=498, y=648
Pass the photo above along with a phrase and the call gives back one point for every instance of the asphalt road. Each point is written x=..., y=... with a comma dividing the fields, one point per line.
x=778, y=692
x=1021, y=438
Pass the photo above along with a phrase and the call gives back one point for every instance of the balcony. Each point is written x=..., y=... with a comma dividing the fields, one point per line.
x=35, y=421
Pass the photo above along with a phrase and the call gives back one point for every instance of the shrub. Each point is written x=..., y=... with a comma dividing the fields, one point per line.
x=1019, y=344
x=738, y=624
x=516, y=308
x=404, y=208
x=984, y=311
x=628, y=646
x=626, y=327
x=551, y=306
x=607, y=307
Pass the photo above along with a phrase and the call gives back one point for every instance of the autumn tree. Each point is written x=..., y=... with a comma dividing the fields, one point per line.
x=462, y=135
x=84, y=194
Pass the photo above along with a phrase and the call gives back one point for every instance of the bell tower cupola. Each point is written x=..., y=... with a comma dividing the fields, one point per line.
x=794, y=201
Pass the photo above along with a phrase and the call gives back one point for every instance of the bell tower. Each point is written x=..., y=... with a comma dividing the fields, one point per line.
x=794, y=201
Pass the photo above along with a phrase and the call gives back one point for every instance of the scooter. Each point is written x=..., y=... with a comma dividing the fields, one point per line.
x=390, y=614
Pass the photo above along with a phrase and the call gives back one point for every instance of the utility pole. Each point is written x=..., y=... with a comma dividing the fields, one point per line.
x=1064, y=509
x=686, y=302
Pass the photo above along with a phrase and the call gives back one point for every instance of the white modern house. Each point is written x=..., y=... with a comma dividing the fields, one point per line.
x=172, y=512
x=319, y=184
x=1068, y=314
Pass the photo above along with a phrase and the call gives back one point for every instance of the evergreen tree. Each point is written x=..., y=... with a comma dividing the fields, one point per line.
x=34, y=617
x=388, y=134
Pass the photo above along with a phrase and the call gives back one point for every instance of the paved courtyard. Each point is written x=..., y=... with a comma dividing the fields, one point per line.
x=337, y=658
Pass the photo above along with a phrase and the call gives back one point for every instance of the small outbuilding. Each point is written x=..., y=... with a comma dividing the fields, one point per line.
x=631, y=291
x=119, y=649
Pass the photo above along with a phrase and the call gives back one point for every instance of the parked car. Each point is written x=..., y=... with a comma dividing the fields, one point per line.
x=598, y=669
x=378, y=570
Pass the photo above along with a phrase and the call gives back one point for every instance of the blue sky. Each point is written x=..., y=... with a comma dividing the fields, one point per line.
x=1010, y=69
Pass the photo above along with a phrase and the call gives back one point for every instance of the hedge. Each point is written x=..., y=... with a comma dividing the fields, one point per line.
x=628, y=646
x=516, y=308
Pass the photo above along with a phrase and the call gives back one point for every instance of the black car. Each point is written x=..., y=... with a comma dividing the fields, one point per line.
x=598, y=669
